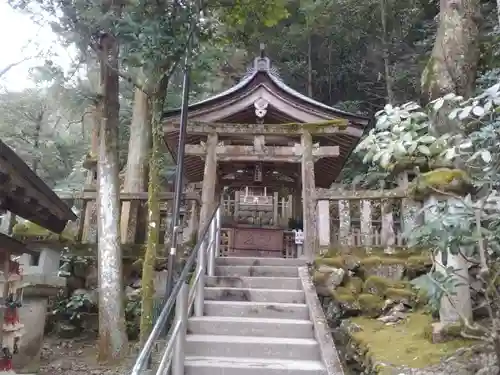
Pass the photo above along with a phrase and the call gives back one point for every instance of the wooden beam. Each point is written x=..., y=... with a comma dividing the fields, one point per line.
x=162, y=196
x=327, y=127
x=16, y=186
x=338, y=195
x=288, y=154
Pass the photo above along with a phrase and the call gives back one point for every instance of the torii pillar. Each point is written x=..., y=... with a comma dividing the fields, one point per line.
x=308, y=197
x=209, y=182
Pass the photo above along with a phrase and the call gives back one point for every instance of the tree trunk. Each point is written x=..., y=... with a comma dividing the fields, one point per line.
x=452, y=69
x=36, y=143
x=387, y=65
x=112, y=335
x=453, y=62
x=147, y=282
x=137, y=164
x=498, y=11
x=309, y=66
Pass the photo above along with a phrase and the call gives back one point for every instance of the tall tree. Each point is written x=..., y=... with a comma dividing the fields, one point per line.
x=112, y=334
x=452, y=69
x=453, y=63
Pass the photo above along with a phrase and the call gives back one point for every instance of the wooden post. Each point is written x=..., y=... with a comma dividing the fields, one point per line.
x=209, y=181
x=366, y=223
x=89, y=231
x=308, y=199
x=192, y=222
x=7, y=223
x=324, y=223
x=289, y=206
x=409, y=207
x=457, y=306
x=275, y=208
x=388, y=238
x=344, y=223
x=236, y=205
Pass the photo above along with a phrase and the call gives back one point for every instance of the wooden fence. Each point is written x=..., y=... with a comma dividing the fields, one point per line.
x=363, y=218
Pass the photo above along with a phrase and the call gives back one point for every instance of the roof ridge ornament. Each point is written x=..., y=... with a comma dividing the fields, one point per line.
x=260, y=109
x=262, y=63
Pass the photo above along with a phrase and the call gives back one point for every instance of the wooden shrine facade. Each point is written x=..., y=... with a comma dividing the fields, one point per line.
x=24, y=194
x=262, y=133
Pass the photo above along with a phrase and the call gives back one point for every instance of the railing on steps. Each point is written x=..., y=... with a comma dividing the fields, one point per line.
x=187, y=295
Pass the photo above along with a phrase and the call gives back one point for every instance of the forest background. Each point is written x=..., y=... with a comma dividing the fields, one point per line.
x=355, y=55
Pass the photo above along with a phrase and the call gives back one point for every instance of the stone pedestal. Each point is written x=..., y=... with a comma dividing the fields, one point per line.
x=39, y=282
x=37, y=290
x=453, y=308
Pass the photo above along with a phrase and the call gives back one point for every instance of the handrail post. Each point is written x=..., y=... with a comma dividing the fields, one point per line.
x=217, y=234
x=181, y=315
x=211, y=249
x=199, y=298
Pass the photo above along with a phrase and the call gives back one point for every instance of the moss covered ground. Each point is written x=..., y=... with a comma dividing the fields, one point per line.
x=403, y=344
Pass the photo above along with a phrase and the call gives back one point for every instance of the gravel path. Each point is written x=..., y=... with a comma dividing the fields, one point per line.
x=77, y=357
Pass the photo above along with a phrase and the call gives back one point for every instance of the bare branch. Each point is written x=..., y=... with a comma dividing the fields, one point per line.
x=14, y=64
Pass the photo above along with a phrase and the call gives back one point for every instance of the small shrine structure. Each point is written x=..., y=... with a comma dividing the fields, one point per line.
x=268, y=148
x=24, y=194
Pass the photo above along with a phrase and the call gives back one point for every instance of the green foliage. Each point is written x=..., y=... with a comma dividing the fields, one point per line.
x=242, y=14
x=401, y=136
x=43, y=131
x=133, y=310
x=73, y=309
x=432, y=287
x=455, y=225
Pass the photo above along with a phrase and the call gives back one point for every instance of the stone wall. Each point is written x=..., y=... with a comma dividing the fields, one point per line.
x=379, y=320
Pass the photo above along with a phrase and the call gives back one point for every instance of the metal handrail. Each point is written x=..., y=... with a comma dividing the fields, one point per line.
x=184, y=298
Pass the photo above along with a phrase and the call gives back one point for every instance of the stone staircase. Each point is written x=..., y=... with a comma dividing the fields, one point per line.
x=256, y=321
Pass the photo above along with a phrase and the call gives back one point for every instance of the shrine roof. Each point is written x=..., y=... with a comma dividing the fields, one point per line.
x=24, y=194
x=263, y=74
x=262, y=104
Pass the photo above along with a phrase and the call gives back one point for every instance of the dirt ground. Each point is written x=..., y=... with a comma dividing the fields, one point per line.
x=78, y=357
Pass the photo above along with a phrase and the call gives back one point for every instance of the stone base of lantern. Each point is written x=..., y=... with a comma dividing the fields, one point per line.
x=36, y=291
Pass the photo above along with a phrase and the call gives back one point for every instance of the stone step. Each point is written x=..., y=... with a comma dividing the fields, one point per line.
x=251, y=261
x=257, y=295
x=254, y=282
x=257, y=271
x=252, y=347
x=257, y=309
x=238, y=326
x=250, y=366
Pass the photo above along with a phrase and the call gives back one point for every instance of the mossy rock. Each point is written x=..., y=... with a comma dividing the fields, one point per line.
x=417, y=265
x=446, y=180
x=384, y=266
x=402, y=295
x=371, y=305
x=319, y=278
x=347, y=301
x=375, y=251
x=90, y=161
x=343, y=294
x=336, y=261
x=376, y=285
x=29, y=230
x=403, y=344
x=452, y=332
x=354, y=285
x=388, y=260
